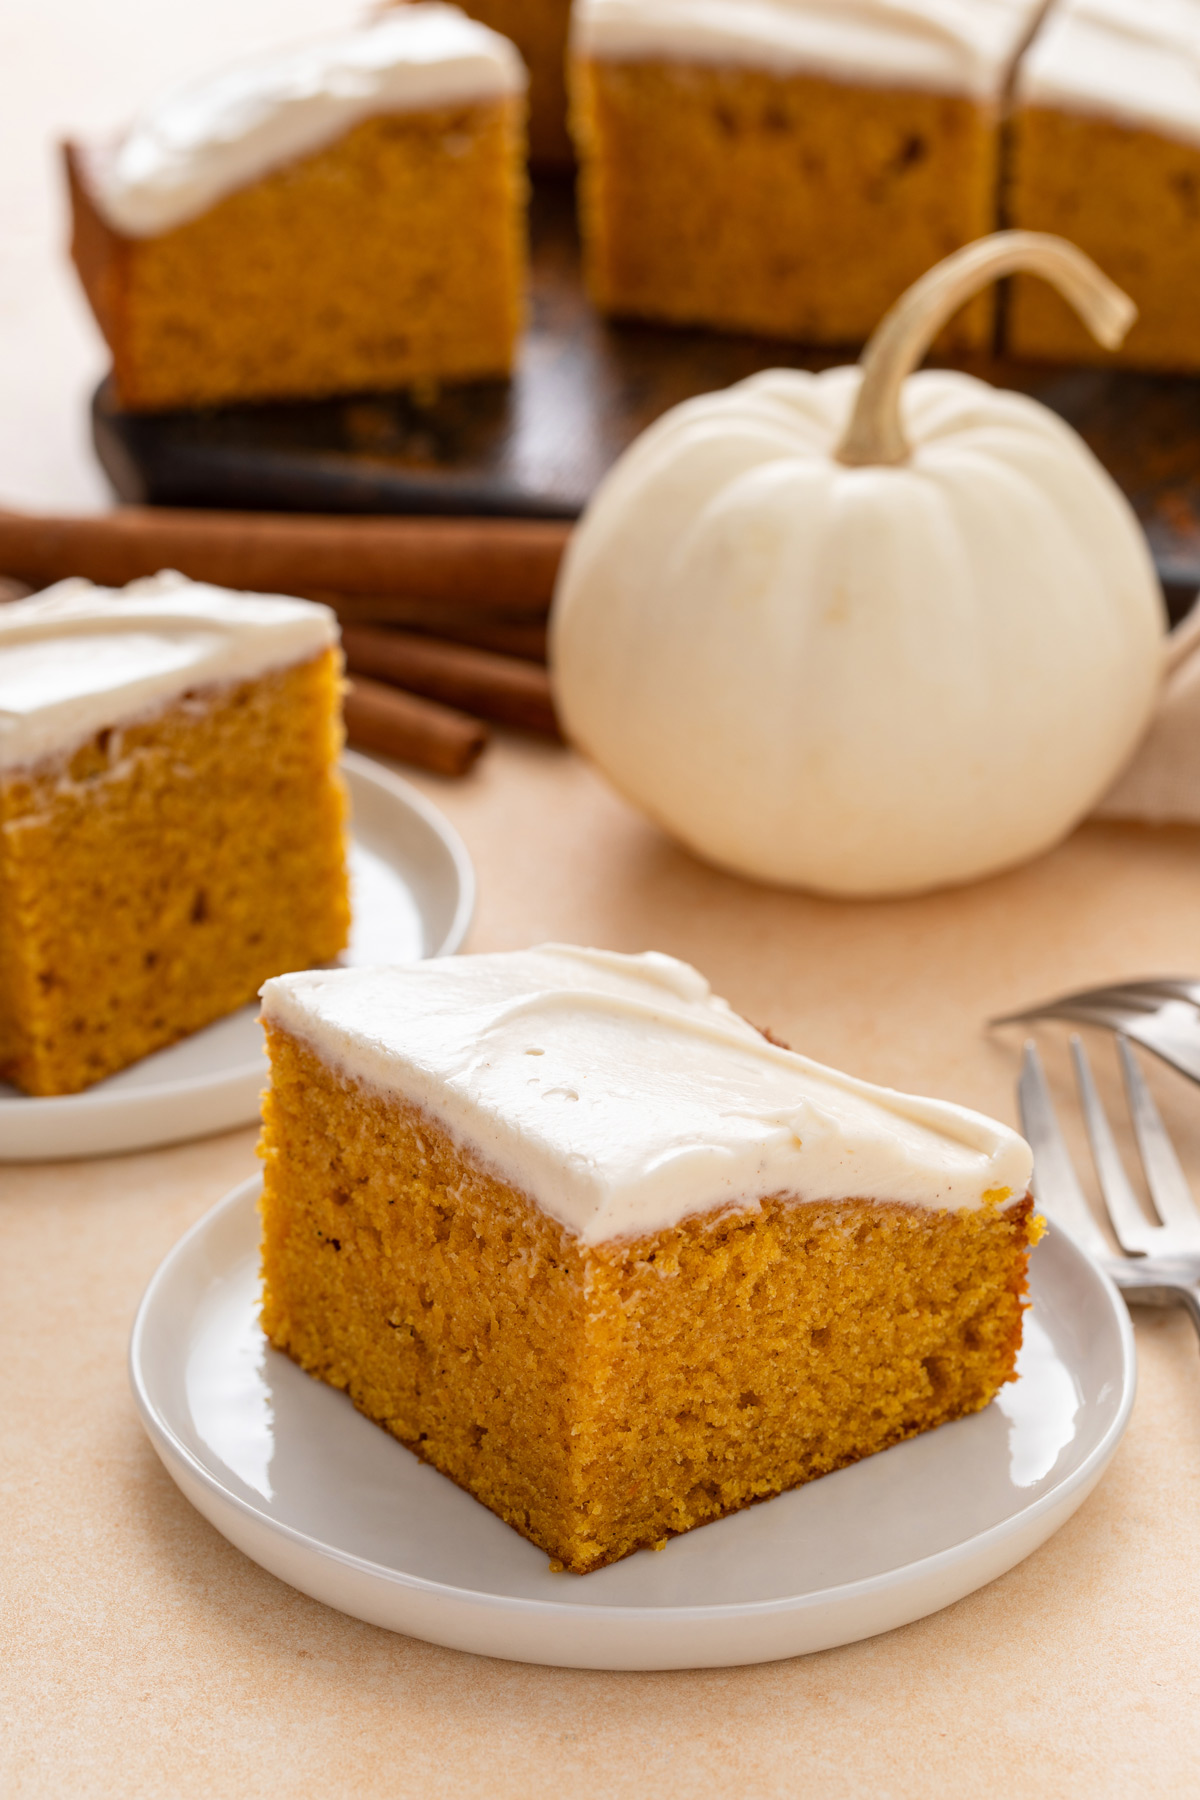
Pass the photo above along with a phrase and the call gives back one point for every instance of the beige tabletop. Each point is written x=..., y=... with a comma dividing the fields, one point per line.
x=143, y=1655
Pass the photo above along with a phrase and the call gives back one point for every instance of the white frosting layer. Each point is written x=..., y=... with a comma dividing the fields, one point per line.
x=621, y=1095
x=1135, y=61
x=945, y=46
x=200, y=142
x=78, y=658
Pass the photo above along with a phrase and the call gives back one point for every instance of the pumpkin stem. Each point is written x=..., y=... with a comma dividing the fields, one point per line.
x=904, y=334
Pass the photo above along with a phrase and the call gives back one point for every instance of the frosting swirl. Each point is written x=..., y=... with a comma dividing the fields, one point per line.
x=1135, y=61
x=78, y=658
x=622, y=1095
x=202, y=141
x=944, y=46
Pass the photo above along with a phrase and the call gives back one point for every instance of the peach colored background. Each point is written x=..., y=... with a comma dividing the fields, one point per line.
x=142, y=1655
x=146, y=1656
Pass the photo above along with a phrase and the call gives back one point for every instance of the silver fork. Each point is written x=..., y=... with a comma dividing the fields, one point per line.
x=1162, y=1014
x=1161, y=1261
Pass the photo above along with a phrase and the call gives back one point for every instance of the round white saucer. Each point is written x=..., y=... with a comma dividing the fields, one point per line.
x=413, y=892
x=286, y=1469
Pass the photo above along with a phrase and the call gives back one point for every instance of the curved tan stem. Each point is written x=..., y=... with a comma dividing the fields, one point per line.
x=901, y=339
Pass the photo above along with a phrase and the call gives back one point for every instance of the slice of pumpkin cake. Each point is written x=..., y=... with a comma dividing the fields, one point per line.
x=787, y=167
x=344, y=215
x=590, y=1244
x=172, y=821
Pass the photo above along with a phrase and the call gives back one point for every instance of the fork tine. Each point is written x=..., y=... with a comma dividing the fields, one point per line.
x=1133, y=1230
x=1080, y=1010
x=1136, y=996
x=1154, y=1022
x=1055, y=1182
x=1165, y=1178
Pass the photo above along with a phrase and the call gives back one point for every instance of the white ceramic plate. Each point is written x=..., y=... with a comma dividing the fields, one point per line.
x=413, y=891
x=286, y=1469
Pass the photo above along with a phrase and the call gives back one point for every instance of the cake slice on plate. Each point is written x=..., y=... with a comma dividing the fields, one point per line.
x=1106, y=152
x=172, y=821
x=787, y=167
x=588, y=1242
x=342, y=216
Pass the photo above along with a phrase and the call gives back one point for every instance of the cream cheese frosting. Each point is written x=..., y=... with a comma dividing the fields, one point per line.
x=78, y=658
x=204, y=140
x=946, y=46
x=1133, y=61
x=622, y=1095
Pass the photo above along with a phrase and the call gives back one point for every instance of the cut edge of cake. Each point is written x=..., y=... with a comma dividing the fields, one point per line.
x=172, y=819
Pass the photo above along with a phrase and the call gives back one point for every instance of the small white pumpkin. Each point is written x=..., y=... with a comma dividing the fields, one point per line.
x=866, y=632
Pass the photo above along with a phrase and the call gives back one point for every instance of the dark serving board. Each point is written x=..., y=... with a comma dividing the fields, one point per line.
x=536, y=446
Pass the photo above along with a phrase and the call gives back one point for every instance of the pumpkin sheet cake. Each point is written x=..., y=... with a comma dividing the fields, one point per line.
x=344, y=215
x=586, y=1241
x=787, y=167
x=1106, y=152
x=171, y=816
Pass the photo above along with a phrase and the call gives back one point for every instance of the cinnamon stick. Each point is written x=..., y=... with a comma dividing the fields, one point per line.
x=494, y=565
x=509, y=634
x=412, y=730
x=479, y=681
x=507, y=637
